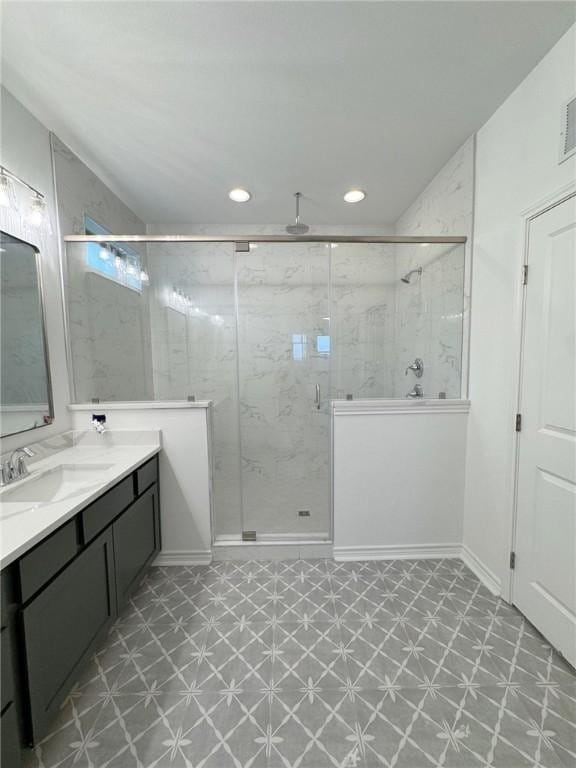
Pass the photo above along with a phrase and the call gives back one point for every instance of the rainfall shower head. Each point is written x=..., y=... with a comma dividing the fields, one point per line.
x=297, y=228
x=408, y=275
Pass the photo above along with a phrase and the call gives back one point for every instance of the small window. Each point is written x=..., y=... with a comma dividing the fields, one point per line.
x=120, y=264
x=299, y=344
x=323, y=345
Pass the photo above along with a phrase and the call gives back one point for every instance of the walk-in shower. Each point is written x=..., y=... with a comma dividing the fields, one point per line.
x=271, y=330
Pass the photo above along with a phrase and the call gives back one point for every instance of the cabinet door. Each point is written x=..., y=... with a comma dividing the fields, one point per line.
x=136, y=542
x=11, y=754
x=64, y=625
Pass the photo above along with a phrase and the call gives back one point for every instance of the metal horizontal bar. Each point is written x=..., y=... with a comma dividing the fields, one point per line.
x=433, y=240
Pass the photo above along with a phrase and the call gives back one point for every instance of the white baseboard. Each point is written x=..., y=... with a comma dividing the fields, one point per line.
x=341, y=554
x=397, y=552
x=192, y=557
x=486, y=576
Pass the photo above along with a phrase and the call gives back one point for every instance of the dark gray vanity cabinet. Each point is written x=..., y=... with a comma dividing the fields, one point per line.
x=10, y=744
x=10, y=750
x=64, y=595
x=64, y=625
x=136, y=536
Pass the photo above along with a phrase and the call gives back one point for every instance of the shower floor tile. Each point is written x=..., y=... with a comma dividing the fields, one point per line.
x=318, y=664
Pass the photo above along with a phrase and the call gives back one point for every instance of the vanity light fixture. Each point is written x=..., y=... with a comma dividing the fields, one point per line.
x=144, y=276
x=37, y=210
x=104, y=253
x=7, y=191
x=34, y=212
x=354, y=196
x=239, y=195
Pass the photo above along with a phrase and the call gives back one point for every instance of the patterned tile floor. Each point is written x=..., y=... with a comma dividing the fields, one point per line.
x=314, y=664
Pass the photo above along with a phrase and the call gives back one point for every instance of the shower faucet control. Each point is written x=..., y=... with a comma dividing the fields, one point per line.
x=418, y=368
x=416, y=393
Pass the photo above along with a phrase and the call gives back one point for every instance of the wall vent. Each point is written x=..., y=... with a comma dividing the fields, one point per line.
x=568, y=129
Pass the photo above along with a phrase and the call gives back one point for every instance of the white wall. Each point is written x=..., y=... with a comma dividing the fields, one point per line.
x=516, y=168
x=184, y=470
x=398, y=478
x=26, y=152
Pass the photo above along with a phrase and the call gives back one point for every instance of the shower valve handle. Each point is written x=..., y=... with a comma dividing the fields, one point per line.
x=418, y=368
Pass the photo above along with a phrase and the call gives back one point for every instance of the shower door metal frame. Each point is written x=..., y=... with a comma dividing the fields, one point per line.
x=236, y=239
x=409, y=239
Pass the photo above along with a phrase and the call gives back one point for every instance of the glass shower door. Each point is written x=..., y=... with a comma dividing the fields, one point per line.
x=284, y=348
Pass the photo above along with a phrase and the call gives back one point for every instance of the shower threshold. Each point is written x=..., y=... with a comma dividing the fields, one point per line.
x=271, y=546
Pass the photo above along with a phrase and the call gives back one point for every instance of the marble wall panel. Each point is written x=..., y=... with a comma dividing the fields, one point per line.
x=283, y=306
x=194, y=353
x=432, y=314
x=109, y=323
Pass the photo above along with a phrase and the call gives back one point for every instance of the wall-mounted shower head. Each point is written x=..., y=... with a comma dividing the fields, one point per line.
x=297, y=228
x=408, y=275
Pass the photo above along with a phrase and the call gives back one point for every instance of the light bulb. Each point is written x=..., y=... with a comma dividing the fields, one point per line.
x=36, y=212
x=104, y=253
x=130, y=268
x=119, y=263
x=7, y=192
x=144, y=277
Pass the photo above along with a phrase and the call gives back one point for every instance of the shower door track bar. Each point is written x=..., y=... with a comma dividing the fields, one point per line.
x=432, y=240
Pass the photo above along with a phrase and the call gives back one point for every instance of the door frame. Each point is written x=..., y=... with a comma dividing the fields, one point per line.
x=527, y=217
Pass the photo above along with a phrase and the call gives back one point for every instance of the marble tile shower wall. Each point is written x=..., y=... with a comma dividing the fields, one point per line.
x=194, y=353
x=109, y=336
x=283, y=316
x=109, y=324
x=433, y=313
x=429, y=319
x=363, y=299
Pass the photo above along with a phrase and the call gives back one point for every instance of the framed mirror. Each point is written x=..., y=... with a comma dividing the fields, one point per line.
x=25, y=390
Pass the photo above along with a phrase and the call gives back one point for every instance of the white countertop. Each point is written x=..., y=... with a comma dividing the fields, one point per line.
x=22, y=524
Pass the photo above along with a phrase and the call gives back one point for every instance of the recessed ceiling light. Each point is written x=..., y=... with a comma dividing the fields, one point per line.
x=239, y=195
x=354, y=196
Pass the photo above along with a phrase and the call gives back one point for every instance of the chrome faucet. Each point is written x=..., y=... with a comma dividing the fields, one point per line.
x=15, y=467
x=99, y=422
x=416, y=392
x=418, y=367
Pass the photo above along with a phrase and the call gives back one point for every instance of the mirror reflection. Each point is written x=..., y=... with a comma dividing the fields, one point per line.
x=25, y=396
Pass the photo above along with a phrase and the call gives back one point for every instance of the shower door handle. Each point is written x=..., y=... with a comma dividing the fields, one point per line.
x=317, y=401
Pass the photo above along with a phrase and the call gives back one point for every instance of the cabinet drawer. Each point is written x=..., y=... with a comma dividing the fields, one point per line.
x=62, y=627
x=47, y=558
x=101, y=513
x=147, y=475
x=7, y=680
x=10, y=751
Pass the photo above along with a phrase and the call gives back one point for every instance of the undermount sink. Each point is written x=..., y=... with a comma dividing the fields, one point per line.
x=55, y=484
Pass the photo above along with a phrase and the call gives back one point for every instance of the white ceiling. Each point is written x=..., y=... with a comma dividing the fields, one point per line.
x=174, y=103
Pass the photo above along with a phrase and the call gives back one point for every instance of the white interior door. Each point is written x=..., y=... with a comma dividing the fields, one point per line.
x=545, y=576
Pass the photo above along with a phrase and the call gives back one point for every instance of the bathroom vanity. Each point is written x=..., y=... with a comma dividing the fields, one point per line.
x=77, y=538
